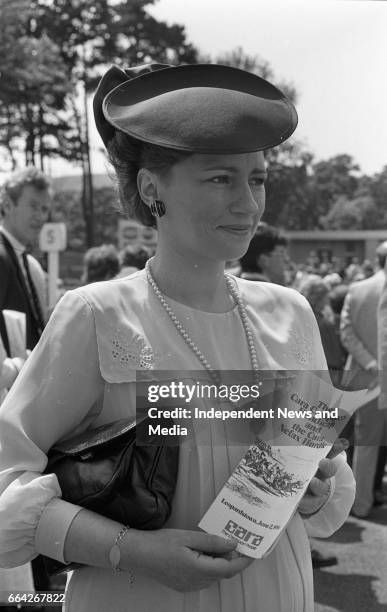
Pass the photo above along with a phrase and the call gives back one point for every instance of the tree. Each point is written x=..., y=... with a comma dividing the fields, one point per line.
x=67, y=209
x=33, y=85
x=257, y=65
x=95, y=32
x=63, y=46
x=289, y=163
x=356, y=214
x=330, y=179
x=377, y=187
x=288, y=199
x=302, y=194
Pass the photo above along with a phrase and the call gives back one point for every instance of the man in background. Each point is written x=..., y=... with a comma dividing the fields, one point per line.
x=24, y=206
x=359, y=335
x=266, y=258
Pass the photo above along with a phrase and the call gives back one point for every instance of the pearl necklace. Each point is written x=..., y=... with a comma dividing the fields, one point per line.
x=188, y=340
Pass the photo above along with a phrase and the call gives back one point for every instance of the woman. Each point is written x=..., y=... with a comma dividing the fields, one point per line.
x=316, y=292
x=186, y=144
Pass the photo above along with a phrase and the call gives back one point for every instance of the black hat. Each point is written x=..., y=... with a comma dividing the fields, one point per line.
x=202, y=108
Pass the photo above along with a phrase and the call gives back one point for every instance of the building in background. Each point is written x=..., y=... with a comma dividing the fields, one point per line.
x=339, y=244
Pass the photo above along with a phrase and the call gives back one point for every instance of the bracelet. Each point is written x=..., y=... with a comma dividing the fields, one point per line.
x=115, y=552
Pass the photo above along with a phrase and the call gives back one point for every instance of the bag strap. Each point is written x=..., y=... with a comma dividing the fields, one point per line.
x=93, y=438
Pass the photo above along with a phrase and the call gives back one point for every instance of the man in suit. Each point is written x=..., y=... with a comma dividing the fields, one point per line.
x=24, y=206
x=358, y=328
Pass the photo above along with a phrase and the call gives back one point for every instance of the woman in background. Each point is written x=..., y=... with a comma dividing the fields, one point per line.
x=317, y=293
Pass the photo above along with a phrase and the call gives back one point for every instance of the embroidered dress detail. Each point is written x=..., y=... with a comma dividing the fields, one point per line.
x=133, y=353
x=300, y=347
x=147, y=358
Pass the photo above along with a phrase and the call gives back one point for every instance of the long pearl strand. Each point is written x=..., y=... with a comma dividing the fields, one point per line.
x=188, y=340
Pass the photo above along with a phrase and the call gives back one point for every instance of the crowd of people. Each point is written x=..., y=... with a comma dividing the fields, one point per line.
x=205, y=195
x=344, y=300
x=105, y=262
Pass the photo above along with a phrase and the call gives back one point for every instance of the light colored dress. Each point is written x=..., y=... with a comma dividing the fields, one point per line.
x=16, y=578
x=83, y=372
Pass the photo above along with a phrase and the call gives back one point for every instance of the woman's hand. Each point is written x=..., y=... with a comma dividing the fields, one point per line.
x=319, y=488
x=182, y=560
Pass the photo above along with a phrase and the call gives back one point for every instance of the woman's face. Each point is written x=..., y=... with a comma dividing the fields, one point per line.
x=213, y=204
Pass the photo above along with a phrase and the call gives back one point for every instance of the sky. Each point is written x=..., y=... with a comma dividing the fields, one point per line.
x=333, y=51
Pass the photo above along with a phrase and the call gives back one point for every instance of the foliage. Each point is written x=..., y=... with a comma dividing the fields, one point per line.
x=92, y=33
x=257, y=65
x=49, y=49
x=66, y=208
x=303, y=194
x=52, y=53
x=33, y=84
x=288, y=164
x=358, y=213
x=287, y=193
x=377, y=187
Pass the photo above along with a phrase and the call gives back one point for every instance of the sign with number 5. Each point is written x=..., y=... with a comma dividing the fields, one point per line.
x=53, y=237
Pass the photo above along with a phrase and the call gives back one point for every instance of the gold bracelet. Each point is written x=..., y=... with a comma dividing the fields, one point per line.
x=115, y=552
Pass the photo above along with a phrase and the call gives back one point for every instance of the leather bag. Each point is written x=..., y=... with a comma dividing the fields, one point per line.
x=106, y=471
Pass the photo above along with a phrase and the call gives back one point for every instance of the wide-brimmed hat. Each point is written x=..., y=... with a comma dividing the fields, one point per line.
x=201, y=108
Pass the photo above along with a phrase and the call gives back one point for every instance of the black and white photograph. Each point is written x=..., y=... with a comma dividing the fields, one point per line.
x=191, y=185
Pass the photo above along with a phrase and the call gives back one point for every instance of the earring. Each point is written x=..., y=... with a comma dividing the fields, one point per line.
x=157, y=208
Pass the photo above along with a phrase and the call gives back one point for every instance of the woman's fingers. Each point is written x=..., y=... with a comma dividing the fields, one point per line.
x=214, y=556
x=326, y=469
x=219, y=567
x=318, y=487
x=210, y=544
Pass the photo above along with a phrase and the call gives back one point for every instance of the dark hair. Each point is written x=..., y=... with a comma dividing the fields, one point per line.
x=127, y=156
x=101, y=263
x=337, y=297
x=264, y=241
x=14, y=184
x=135, y=256
x=314, y=289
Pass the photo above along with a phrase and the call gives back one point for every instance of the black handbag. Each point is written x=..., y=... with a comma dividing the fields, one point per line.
x=106, y=471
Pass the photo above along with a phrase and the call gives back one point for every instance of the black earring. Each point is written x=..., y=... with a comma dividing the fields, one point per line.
x=157, y=208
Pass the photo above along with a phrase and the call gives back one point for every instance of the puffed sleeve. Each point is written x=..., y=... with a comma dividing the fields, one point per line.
x=335, y=511
x=55, y=395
